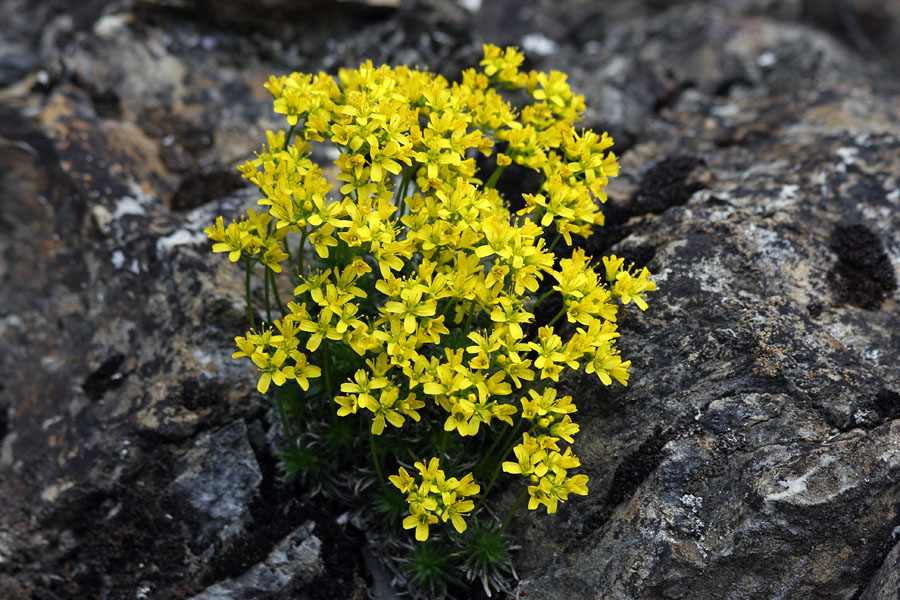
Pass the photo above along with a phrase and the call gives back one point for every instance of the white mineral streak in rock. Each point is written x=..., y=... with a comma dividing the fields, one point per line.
x=769, y=245
x=787, y=198
x=766, y=59
x=204, y=358
x=470, y=5
x=796, y=486
x=142, y=593
x=799, y=490
x=109, y=25
x=128, y=205
x=537, y=43
x=847, y=154
x=180, y=237
x=47, y=423
x=694, y=502
x=117, y=259
x=52, y=491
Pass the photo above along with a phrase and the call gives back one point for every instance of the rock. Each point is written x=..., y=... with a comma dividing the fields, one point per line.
x=293, y=563
x=218, y=478
x=750, y=442
x=886, y=582
x=755, y=451
x=15, y=63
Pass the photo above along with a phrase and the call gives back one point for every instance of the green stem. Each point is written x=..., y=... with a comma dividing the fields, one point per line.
x=492, y=180
x=558, y=315
x=508, y=446
x=288, y=430
x=281, y=306
x=543, y=297
x=268, y=303
x=287, y=138
x=403, y=188
x=442, y=444
x=376, y=462
x=469, y=318
x=290, y=262
x=249, y=299
x=555, y=241
x=326, y=369
x=300, y=253
x=490, y=451
x=512, y=509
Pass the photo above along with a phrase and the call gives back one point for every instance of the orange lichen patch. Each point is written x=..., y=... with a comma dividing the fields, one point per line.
x=769, y=362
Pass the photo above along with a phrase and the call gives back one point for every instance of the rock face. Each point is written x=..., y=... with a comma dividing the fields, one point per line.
x=756, y=451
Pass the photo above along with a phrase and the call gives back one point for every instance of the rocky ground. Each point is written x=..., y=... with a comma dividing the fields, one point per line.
x=756, y=452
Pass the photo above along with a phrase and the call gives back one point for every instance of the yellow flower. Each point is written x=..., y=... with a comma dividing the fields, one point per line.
x=420, y=520
x=320, y=329
x=630, y=287
x=529, y=457
x=493, y=386
x=385, y=410
x=454, y=510
x=403, y=481
x=304, y=371
x=382, y=160
x=448, y=381
x=612, y=264
x=503, y=64
x=363, y=386
x=431, y=474
x=322, y=239
x=348, y=405
x=509, y=312
x=565, y=429
x=607, y=363
x=234, y=240
x=410, y=307
x=246, y=347
x=273, y=258
x=484, y=344
x=271, y=369
x=459, y=417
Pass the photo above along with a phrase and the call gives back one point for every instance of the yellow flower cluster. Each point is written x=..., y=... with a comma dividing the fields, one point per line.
x=249, y=236
x=435, y=497
x=540, y=459
x=435, y=249
x=269, y=351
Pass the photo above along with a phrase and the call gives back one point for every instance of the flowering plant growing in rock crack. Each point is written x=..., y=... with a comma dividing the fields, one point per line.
x=410, y=334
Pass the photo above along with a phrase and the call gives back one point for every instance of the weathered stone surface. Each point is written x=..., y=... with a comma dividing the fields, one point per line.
x=886, y=584
x=218, y=478
x=756, y=451
x=293, y=563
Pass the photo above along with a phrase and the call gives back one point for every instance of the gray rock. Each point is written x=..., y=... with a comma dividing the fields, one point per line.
x=754, y=453
x=15, y=63
x=295, y=562
x=219, y=478
x=886, y=583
